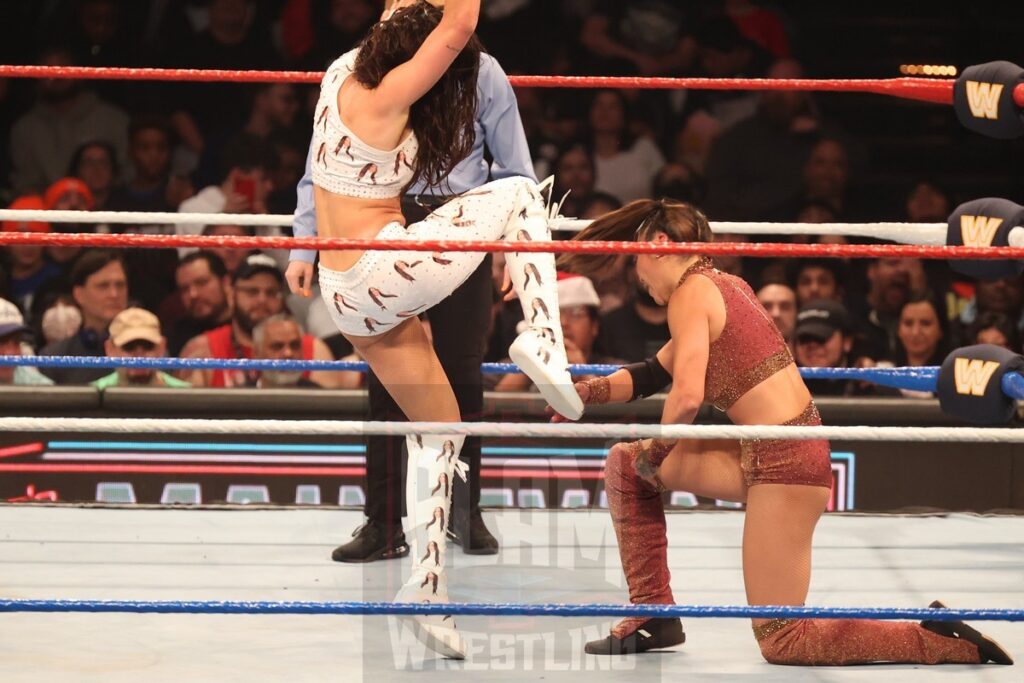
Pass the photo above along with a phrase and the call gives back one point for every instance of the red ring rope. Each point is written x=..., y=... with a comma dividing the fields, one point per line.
x=568, y=246
x=923, y=89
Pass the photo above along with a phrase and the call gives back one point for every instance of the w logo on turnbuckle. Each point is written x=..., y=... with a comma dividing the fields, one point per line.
x=972, y=376
x=983, y=99
x=979, y=231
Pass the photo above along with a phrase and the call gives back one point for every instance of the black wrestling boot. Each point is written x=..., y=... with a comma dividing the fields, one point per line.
x=371, y=542
x=990, y=650
x=472, y=534
x=653, y=634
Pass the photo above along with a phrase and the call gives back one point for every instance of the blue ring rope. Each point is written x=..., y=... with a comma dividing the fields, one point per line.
x=507, y=609
x=914, y=379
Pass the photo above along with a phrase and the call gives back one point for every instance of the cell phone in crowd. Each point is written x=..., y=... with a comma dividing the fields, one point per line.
x=245, y=186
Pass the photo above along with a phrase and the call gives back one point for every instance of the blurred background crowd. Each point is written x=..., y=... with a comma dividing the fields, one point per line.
x=230, y=148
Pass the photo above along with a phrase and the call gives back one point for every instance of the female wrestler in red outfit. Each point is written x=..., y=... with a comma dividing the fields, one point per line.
x=726, y=350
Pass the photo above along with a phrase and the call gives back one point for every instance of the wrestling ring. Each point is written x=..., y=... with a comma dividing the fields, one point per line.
x=128, y=593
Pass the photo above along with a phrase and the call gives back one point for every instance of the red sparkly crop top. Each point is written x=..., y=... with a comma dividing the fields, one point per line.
x=750, y=348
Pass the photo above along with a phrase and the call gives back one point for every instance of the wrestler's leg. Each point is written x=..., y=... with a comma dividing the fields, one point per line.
x=406, y=364
x=777, y=534
x=708, y=468
x=512, y=209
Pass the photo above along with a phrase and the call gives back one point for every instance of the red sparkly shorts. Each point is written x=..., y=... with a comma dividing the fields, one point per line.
x=784, y=461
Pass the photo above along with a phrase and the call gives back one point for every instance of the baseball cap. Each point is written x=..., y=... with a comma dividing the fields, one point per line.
x=257, y=263
x=27, y=203
x=11, y=320
x=135, y=324
x=820, y=319
x=576, y=290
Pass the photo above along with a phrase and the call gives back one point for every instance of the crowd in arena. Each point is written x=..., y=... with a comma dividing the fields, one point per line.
x=233, y=148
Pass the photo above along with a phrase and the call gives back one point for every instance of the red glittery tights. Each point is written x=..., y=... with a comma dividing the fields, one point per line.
x=778, y=531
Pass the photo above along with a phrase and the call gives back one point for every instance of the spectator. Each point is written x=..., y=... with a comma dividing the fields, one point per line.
x=779, y=300
x=815, y=212
x=818, y=279
x=95, y=164
x=232, y=258
x=99, y=287
x=626, y=164
x=759, y=24
x=258, y=292
x=152, y=187
x=1005, y=295
x=725, y=53
x=680, y=182
x=317, y=31
x=98, y=38
x=272, y=110
x=889, y=287
x=581, y=328
x=279, y=337
x=730, y=263
x=68, y=194
x=928, y=202
x=693, y=141
x=203, y=284
x=65, y=115
x=135, y=333
x=575, y=175
x=824, y=340
x=244, y=189
x=754, y=169
x=598, y=204
x=637, y=329
x=644, y=37
x=826, y=176
x=922, y=333
x=28, y=270
x=207, y=113
x=994, y=328
x=12, y=337
x=285, y=173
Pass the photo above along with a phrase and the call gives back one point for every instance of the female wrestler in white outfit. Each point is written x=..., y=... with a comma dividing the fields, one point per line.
x=410, y=89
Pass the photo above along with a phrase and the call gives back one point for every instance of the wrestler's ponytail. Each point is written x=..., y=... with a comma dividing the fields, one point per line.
x=637, y=221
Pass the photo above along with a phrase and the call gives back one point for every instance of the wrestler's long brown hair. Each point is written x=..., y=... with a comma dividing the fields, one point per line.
x=637, y=221
x=443, y=119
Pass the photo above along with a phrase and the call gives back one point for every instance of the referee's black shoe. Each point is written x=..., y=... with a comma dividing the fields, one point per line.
x=371, y=542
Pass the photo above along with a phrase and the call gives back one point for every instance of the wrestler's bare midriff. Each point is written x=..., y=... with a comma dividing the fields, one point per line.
x=777, y=399
x=353, y=218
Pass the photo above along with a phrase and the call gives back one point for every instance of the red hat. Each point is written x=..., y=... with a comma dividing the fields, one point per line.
x=28, y=203
x=65, y=186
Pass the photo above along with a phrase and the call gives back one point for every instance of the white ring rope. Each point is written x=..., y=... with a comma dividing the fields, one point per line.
x=625, y=432
x=925, y=234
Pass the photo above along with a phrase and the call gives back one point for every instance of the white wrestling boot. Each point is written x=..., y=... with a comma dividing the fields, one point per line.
x=433, y=464
x=540, y=350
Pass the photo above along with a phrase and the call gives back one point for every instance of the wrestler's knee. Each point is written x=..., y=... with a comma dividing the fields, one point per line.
x=619, y=465
x=777, y=639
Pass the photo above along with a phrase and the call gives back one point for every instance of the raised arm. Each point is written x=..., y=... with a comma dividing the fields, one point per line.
x=410, y=81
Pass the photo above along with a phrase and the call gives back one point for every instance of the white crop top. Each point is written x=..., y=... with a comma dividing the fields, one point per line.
x=344, y=164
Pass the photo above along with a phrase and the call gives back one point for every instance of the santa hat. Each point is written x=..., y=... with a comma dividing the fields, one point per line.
x=68, y=186
x=29, y=203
